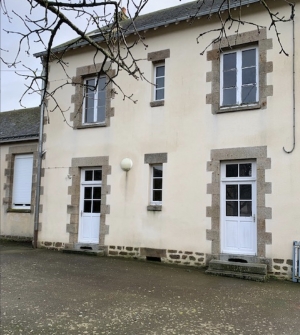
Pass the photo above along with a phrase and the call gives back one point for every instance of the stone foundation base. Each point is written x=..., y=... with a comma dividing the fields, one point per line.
x=51, y=245
x=278, y=268
x=16, y=238
x=170, y=256
x=282, y=268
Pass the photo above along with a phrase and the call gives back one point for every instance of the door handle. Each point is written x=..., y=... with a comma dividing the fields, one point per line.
x=254, y=218
x=80, y=213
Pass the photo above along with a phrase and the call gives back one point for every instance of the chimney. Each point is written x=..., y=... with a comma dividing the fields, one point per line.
x=122, y=14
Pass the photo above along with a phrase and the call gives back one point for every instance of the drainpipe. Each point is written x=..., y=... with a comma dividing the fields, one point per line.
x=294, y=102
x=39, y=167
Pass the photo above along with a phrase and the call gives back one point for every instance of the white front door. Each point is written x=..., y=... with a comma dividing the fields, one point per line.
x=238, y=208
x=90, y=205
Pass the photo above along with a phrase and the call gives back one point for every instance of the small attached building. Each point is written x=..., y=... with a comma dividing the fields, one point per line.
x=19, y=132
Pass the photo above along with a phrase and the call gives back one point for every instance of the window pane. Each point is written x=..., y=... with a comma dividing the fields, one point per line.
x=157, y=195
x=101, y=98
x=101, y=114
x=229, y=97
x=232, y=192
x=231, y=208
x=160, y=71
x=231, y=170
x=229, y=79
x=248, y=94
x=160, y=94
x=98, y=175
x=246, y=170
x=89, y=115
x=160, y=82
x=157, y=184
x=96, y=206
x=246, y=208
x=102, y=84
x=88, y=175
x=88, y=193
x=249, y=76
x=249, y=58
x=229, y=61
x=157, y=171
x=245, y=192
x=97, y=193
x=90, y=86
x=87, y=207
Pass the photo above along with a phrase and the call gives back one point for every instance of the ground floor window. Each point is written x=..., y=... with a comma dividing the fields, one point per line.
x=22, y=181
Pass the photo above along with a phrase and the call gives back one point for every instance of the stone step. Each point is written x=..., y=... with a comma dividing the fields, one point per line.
x=250, y=271
x=98, y=253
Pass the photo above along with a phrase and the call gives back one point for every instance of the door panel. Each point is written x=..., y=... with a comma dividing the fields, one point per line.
x=90, y=200
x=238, y=208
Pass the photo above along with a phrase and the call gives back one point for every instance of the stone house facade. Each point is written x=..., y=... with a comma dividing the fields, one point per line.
x=195, y=170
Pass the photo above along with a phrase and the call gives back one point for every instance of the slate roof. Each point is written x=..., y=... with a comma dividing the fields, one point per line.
x=161, y=18
x=18, y=125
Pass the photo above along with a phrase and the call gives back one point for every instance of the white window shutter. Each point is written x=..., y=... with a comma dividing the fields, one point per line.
x=22, y=181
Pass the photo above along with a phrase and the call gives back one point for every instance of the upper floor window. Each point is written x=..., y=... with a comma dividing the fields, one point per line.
x=239, y=77
x=159, y=80
x=95, y=100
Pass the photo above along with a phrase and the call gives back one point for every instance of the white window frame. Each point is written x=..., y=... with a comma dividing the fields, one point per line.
x=21, y=184
x=239, y=76
x=160, y=64
x=95, y=99
x=152, y=202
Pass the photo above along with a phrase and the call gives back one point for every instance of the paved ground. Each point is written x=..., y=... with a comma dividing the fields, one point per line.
x=47, y=292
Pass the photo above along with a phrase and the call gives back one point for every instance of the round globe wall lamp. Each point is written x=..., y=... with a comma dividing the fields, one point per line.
x=126, y=164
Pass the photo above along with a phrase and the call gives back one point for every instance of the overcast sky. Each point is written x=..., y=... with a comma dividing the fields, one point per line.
x=12, y=85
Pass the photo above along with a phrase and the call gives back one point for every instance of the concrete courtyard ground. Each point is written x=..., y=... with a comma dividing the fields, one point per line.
x=48, y=292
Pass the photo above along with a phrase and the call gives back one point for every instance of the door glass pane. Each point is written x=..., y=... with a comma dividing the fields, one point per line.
x=229, y=96
x=231, y=170
x=157, y=184
x=248, y=94
x=157, y=195
x=87, y=206
x=97, y=193
x=96, y=206
x=246, y=170
x=88, y=175
x=245, y=192
x=231, y=208
x=157, y=171
x=249, y=58
x=232, y=192
x=98, y=175
x=245, y=208
x=229, y=61
x=88, y=193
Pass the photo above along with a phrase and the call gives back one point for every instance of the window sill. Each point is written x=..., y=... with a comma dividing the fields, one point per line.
x=157, y=103
x=154, y=208
x=238, y=108
x=91, y=125
x=17, y=210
